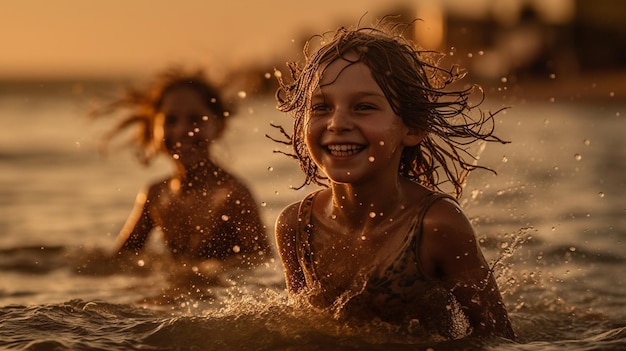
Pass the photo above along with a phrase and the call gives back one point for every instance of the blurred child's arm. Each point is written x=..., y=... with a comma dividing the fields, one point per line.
x=450, y=252
x=135, y=231
x=248, y=225
x=286, y=231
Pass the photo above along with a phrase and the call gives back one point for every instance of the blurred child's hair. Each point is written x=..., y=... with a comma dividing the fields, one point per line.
x=144, y=105
x=417, y=88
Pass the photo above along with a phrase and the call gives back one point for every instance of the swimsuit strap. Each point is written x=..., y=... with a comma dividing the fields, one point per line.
x=418, y=227
x=303, y=234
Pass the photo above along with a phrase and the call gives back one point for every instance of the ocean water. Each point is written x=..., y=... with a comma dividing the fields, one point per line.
x=553, y=222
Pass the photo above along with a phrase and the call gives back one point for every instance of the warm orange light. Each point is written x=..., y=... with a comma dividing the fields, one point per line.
x=430, y=33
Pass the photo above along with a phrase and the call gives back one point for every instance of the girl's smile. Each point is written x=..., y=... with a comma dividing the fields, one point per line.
x=344, y=150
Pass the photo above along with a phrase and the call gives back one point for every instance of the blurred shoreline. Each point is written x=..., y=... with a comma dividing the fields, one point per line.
x=601, y=86
x=588, y=87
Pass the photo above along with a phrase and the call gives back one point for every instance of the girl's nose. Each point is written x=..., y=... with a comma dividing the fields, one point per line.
x=339, y=121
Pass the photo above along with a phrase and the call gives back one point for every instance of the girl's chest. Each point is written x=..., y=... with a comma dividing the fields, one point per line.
x=342, y=261
x=193, y=211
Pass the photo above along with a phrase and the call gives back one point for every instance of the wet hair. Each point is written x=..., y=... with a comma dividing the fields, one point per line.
x=418, y=90
x=144, y=104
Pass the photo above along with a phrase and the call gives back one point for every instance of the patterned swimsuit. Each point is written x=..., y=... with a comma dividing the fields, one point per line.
x=399, y=294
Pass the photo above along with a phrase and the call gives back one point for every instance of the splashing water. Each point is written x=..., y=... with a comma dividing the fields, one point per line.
x=553, y=237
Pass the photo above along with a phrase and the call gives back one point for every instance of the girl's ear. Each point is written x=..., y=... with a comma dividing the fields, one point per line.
x=413, y=137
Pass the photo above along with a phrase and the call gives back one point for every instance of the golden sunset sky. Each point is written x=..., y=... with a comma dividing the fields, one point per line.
x=56, y=38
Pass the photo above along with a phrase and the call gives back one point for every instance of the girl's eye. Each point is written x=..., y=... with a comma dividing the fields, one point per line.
x=196, y=119
x=364, y=107
x=319, y=108
x=170, y=120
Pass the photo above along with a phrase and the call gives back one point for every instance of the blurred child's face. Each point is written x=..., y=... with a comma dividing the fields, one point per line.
x=352, y=133
x=186, y=126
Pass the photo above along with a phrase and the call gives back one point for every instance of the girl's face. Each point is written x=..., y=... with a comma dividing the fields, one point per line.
x=352, y=133
x=186, y=126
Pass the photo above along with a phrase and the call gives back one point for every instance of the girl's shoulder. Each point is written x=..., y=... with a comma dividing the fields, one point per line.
x=293, y=215
x=435, y=209
x=419, y=196
x=158, y=187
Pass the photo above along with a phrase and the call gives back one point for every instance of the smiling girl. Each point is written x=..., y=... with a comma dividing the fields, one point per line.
x=381, y=241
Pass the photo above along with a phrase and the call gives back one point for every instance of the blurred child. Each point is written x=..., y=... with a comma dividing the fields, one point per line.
x=208, y=217
x=374, y=124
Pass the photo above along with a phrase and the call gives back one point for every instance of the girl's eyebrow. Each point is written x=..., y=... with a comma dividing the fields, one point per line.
x=358, y=94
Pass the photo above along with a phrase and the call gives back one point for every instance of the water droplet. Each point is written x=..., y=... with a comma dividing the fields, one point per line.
x=572, y=249
x=363, y=237
x=371, y=158
x=348, y=173
x=552, y=76
x=242, y=94
x=270, y=169
x=601, y=194
x=225, y=218
x=141, y=263
x=263, y=204
x=578, y=157
x=504, y=79
x=176, y=156
x=480, y=53
x=267, y=75
x=190, y=133
x=587, y=142
x=612, y=94
x=236, y=249
x=333, y=216
x=470, y=55
x=372, y=214
x=505, y=159
x=205, y=118
x=381, y=143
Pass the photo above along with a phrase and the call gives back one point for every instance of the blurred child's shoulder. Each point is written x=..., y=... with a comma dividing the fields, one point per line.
x=160, y=187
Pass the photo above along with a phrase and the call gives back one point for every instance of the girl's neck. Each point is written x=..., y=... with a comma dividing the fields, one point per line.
x=202, y=169
x=359, y=205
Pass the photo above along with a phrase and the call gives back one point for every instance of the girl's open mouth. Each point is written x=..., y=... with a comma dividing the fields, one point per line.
x=343, y=150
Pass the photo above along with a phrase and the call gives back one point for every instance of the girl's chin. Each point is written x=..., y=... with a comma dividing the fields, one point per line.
x=342, y=177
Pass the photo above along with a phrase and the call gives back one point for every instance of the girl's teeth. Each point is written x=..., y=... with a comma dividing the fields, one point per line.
x=343, y=150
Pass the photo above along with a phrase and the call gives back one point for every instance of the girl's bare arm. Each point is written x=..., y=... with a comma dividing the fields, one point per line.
x=450, y=252
x=135, y=231
x=286, y=229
